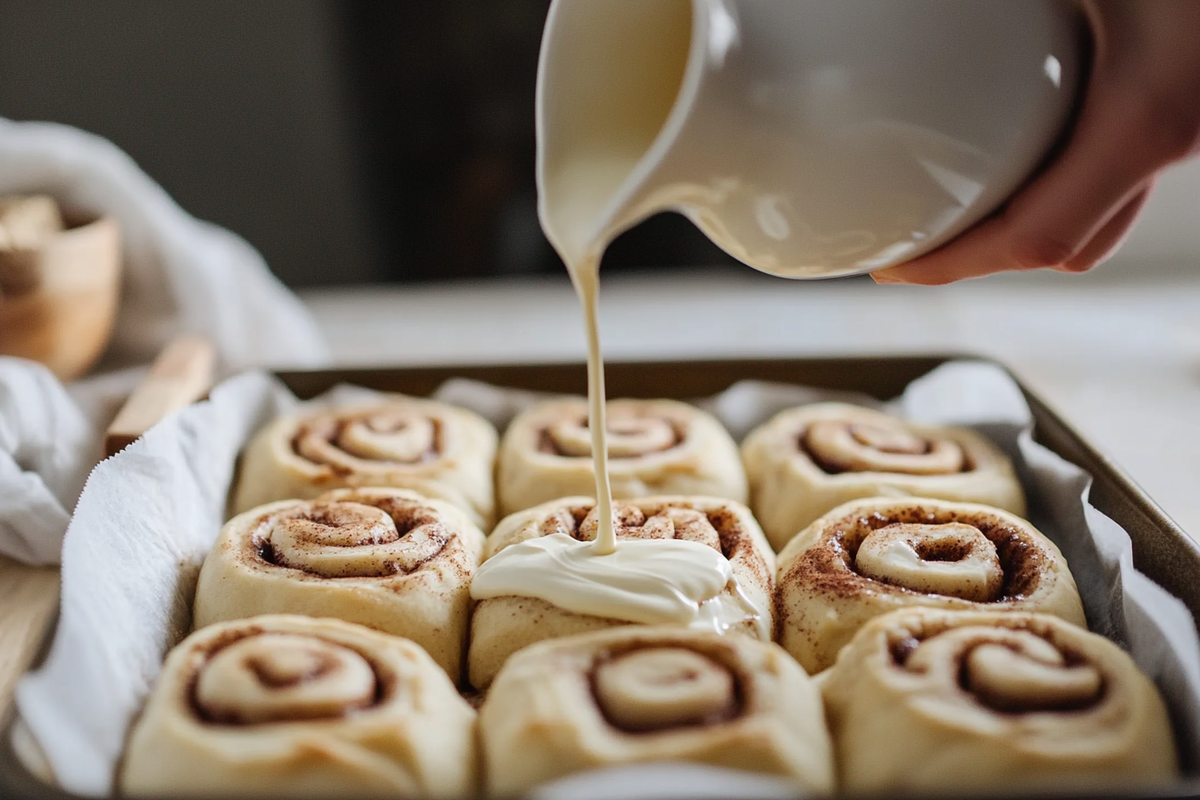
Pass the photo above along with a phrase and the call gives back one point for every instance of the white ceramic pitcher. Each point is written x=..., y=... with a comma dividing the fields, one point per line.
x=807, y=138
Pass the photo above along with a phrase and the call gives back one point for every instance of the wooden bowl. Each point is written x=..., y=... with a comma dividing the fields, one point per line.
x=65, y=316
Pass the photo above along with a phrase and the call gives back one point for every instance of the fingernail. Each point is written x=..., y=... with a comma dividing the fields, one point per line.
x=882, y=278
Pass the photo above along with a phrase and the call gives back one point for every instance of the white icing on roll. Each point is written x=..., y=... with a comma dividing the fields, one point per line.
x=651, y=581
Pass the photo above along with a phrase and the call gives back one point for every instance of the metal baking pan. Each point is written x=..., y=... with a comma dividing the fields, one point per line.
x=1161, y=549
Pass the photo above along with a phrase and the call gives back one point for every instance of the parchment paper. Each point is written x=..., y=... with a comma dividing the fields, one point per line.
x=148, y=516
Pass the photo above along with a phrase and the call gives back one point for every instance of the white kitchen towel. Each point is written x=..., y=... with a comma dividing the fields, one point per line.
x=180, y=275
x=132, y=554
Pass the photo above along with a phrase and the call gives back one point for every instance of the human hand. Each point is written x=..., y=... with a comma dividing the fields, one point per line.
x=1140, y=113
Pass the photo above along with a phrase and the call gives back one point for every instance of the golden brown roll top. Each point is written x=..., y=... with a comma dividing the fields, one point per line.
x=286, y=705
x=501, y=625
x=925, y=700
x=808, y=460
x=869, y=557
x=648, y=693
x=655, y=447
x=438, y=450
x=389, y=559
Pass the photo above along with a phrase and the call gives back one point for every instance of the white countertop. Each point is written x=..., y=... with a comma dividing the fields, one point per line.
x=1120, y=359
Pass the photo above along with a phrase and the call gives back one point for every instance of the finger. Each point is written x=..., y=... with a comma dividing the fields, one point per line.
x=983, y=250
x=1109, y=238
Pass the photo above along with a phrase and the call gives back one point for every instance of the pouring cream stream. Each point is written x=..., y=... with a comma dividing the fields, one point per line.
x=579, y=179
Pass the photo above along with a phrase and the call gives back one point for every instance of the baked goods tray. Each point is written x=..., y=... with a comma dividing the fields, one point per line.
x=1161, y=549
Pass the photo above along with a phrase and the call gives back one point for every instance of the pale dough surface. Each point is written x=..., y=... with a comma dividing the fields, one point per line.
x=442, y=451
x=415, y=737
x=542, y=718
x=656, y=447
x=822, y=596
x=406, y=569
x=789, y=488
x=902, y=720
x=501, y=626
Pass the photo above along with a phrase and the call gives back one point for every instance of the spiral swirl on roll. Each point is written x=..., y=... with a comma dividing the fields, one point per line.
x=808, y=460
x=276, y=677
x=388, y=434
x=1018, y=672
x=654, y=447
x=652, y=693
x=883, y=446
x=346, y=539
x=630, y=434
x=869, y=557
x=296, y=706
x=389, y=559
x=1007, y=670
x=664, y=687
x=985, y=699
x=439, y=450
x=951, y=559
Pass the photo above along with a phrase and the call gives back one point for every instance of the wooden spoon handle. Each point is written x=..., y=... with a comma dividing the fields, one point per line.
x=181, y=375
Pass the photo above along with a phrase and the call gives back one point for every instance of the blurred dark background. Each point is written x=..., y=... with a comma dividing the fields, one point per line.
x=348, y=140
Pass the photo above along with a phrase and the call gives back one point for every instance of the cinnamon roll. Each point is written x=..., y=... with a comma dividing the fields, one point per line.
x=441, y=451
x=389, y=559
x=641, y=694
x=654, y=446
x=869, y=557
x=807, y=460
x=292, y=706
x=506, y=621
x=927, y=701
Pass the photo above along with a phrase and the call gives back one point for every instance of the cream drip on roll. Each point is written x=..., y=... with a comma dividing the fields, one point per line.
x=698, y=562
x=649, y=581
